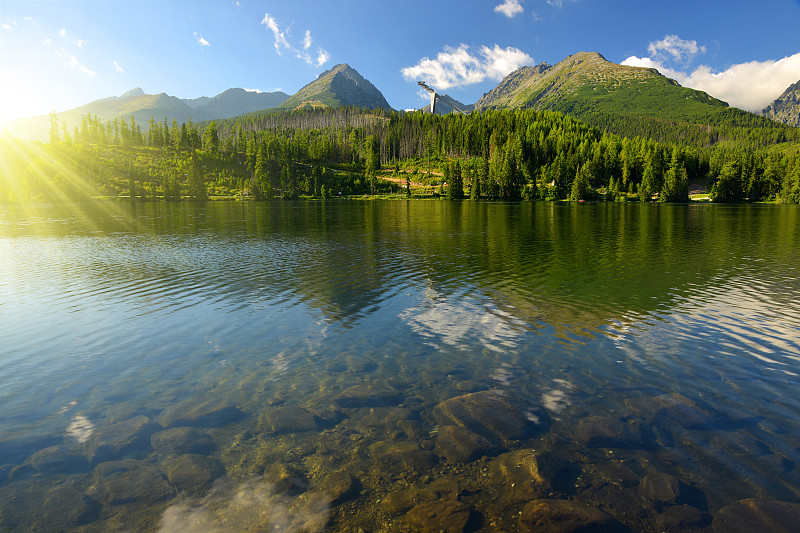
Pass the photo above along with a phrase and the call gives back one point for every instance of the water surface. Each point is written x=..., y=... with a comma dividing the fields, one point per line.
x=349, y=366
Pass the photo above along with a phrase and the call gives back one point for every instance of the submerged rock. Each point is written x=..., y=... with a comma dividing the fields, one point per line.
x=758, y=515
x=286, y=479
x=460, y=445
x=685, y=413
x=182, y=440
x=128, y=481
x=607, y=432
x=494, y=415
x=440, y=517
x=527, y=475
x=339, y=486
x=563, y=516
x=57, y=460
x=66, y=508
x=368, y=396
x=203, y=416
x=129, y=438
x=400, y=457
x=193, y=474
x=680, y=518
x=659, y=487
x=288, y=419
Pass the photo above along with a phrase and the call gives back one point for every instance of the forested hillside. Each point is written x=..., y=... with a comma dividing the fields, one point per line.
x=496, y=154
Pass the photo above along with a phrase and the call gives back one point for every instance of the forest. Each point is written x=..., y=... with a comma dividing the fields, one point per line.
x=349, y=152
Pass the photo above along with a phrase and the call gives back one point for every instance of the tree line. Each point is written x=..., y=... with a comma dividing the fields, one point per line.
x=495, y=154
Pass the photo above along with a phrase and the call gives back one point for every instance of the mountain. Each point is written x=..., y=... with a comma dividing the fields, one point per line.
x=340, y=86
x=142, y=106
x=133, y=103
x=234, y=102
x=786, y=108
x=586, y=84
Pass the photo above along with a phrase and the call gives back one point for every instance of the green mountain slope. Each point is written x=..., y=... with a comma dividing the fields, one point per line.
x=786, y=108
x=587, y=83
x=632, y=101
x=340, y=86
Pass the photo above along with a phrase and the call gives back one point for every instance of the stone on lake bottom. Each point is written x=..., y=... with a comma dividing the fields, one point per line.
x=758, y=516
x=366, y=396
x=57, y=460
x=129, y=438
x=207, y=417
x=659, y=487
x=288, y=419
x=564, y=516
x=182, y=440
x=339, y=486
x=66, y=508
x=193, y=474
x=460, y=445
x=129, y=481
x=494, y=415
x=607, y=432
x=401, y=457
x=440, y=516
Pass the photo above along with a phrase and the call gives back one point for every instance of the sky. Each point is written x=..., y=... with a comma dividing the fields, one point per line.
x=57, y=55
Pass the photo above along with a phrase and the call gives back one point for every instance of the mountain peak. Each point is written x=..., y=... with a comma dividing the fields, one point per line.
x=341, y=85
x=786, y=108
x=133, y=92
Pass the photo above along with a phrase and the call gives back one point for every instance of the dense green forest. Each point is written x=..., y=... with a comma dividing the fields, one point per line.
x=507, y=154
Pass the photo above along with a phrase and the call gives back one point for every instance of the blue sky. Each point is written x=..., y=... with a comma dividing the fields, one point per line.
x=56, y=55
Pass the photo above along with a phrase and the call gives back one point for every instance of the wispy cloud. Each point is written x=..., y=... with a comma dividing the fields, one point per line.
x=64, y=34
x=280, y=37
x=559, y=3
x=750, y=86
x=509, y=8
x=201, y=40
x=457, y=67
x=303, y=52
x=72, y=62
x=118, y=68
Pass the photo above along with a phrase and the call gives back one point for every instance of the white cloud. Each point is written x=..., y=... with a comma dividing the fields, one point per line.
x=257, y=91
x=750, y=86
x=280, y=36
x=282, y=43
x=5, y=26
x=322, y=57
x=72, y=62
x=201, y=40
x=47, y=41
x=118, y=68
x=676, y=49
x=558, y=3
x=456, y=67
x=63, y=32
x=509, y=8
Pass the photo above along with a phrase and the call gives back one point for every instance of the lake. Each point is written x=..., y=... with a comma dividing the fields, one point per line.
x=399, y=366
